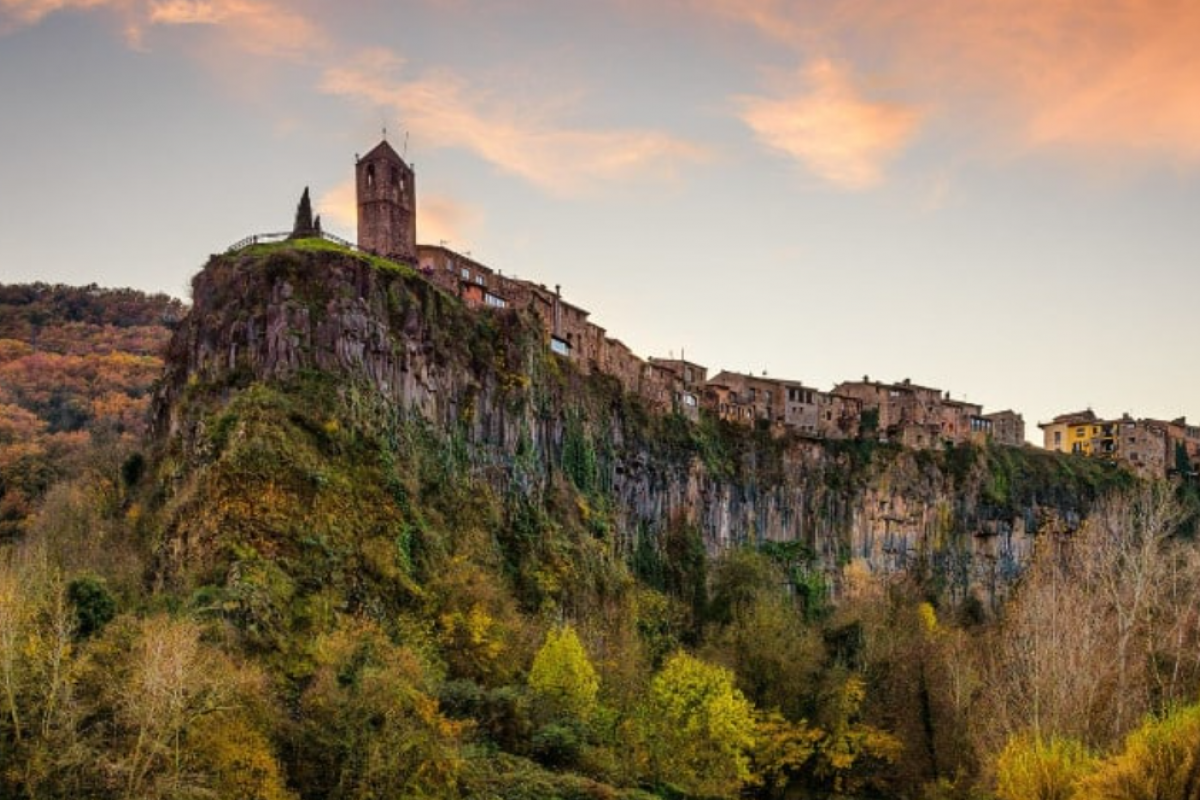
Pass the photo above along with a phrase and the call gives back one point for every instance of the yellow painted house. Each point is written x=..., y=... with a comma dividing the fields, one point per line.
x=1072, y=433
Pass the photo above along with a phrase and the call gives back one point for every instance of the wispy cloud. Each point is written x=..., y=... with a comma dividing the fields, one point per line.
x=528, y=138
x=443, y=218
x=258, y=27
x=826, y=124
x=30, y=12
x=1100, y=81
x=446, y=110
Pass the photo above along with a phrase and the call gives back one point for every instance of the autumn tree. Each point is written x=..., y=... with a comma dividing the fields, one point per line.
x=369, y=726
x=562, y=676
x=1034, y=768
x=1160, y=760
x=849, y=751
x=696, y=729
x=1102, y=629
x=180, y=721
x=37, y=626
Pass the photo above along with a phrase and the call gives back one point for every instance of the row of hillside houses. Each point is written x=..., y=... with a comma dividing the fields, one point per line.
x=915, y=416
x=1151, y=447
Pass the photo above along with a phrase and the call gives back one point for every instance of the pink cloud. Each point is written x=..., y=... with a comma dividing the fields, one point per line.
x=443, y=218
x=1095, y=80
x=826, y=124
x=445, y=110
x=258, y=27
x=29, y=12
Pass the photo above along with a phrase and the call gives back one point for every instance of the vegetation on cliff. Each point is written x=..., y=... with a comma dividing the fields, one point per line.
x=415, y=555
x=76, y=369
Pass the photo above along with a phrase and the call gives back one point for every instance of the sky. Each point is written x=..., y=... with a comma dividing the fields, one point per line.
x=997, y=198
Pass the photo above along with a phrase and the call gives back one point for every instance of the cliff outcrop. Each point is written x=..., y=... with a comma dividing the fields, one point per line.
x=377, y=365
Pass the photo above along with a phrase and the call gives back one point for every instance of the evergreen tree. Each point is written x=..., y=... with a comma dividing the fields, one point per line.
x=303, y=228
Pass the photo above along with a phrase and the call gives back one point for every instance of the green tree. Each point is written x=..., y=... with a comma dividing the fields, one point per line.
x=562, y=676
x=696, y=729
x=369, y=726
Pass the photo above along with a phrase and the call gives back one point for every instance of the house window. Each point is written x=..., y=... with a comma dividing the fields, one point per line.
x=466, y=274
x=559, y=346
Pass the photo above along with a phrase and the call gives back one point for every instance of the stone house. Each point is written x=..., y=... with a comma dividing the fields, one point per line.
x=688, y=379
x=801, y=407
x=908, y=414
x=1143, y=445
x=839, y=416
x=657, y=387
x=1183, y=443
x=475, y=284
x=618, y=360
x=566, y=325
x=723, y=400
x=1008, y=428
x=963, y=422
x=761, y=395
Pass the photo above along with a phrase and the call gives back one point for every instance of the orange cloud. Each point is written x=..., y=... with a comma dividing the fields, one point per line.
x=442, y=218
x=1093, y=79
x=439, y=217
x=258, y=27
x=29, y=12
x=339, y=207
x=445, y=111
x=828, y=126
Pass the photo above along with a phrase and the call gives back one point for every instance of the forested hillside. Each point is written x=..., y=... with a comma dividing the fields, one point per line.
x=76, y=369
x=378, y=545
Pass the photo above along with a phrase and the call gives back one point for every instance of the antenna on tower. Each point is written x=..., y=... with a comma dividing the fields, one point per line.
x=404, y=150
x=383, y=127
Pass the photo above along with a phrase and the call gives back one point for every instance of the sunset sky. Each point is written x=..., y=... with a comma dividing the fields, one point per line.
x=1000, y=199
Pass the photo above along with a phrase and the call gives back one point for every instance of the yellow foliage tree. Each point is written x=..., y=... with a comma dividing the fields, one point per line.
x=847, y=748
x=1160, y=761
x=1034, y=768
x=562, y=675
x=696, y=729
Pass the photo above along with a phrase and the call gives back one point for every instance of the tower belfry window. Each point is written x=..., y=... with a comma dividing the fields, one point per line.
x=370, y=176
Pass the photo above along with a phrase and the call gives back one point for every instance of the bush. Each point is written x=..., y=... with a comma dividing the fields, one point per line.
x=94, y=606
x=1033, y=768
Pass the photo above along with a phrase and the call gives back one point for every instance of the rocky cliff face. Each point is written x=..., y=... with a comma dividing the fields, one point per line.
x=966, y=519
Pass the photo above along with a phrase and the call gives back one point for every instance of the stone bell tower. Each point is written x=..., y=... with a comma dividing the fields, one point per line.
x=387, y=205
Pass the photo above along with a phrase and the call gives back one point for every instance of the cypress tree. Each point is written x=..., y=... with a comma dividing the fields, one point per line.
x=303, y=228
